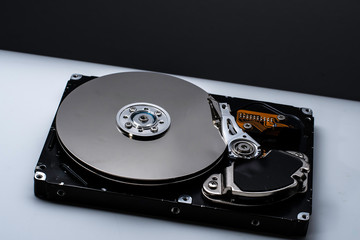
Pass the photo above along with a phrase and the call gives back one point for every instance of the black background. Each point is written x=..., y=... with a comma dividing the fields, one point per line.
x=299, y=45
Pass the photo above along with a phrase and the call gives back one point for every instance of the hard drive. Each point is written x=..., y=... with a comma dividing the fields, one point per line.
x=158, y=145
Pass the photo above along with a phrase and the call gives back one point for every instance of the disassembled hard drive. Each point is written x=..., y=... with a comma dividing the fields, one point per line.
x=159, y=145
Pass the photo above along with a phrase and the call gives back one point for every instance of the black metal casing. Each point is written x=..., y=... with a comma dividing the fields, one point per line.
x=65, y=181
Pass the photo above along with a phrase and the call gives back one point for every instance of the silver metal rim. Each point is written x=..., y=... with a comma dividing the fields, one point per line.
x=143, y=120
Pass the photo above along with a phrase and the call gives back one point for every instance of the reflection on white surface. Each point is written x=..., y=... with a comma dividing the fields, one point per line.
x=31, y=88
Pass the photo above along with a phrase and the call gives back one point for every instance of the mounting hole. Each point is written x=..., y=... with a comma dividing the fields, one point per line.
x=304, y=170
x=214, y=178
x=307, y=111
x=175, y=210
x=255, y=222
x=76, y=76
x=60, y=192
x=40, y=176
x=42, y=166
x=303, y=216
x=183, y=199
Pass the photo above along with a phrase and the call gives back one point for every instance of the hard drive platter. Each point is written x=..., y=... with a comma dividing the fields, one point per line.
x=91, y=124
x=159, y=145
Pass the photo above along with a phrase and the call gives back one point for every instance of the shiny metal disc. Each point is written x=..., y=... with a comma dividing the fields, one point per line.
x=87, y=124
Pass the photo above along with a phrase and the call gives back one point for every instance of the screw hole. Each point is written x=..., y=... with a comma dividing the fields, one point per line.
x=255, y=222
x=60, y=193
x=38, y=176
x=42, y=167
x=304, y=170
x=175, y=210
x=214, y=178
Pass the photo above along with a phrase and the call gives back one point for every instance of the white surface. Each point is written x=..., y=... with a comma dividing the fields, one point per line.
x=30, y=91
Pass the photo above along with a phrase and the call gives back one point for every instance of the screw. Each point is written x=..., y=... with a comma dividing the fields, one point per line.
x=132, y=109
x=128, y=125
x=280, y=117
x=243, y=147
x=247, y=125
x=143, y=118
x=213, y=184
x=140, y=129
x=154, y=129
x=158, y=113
